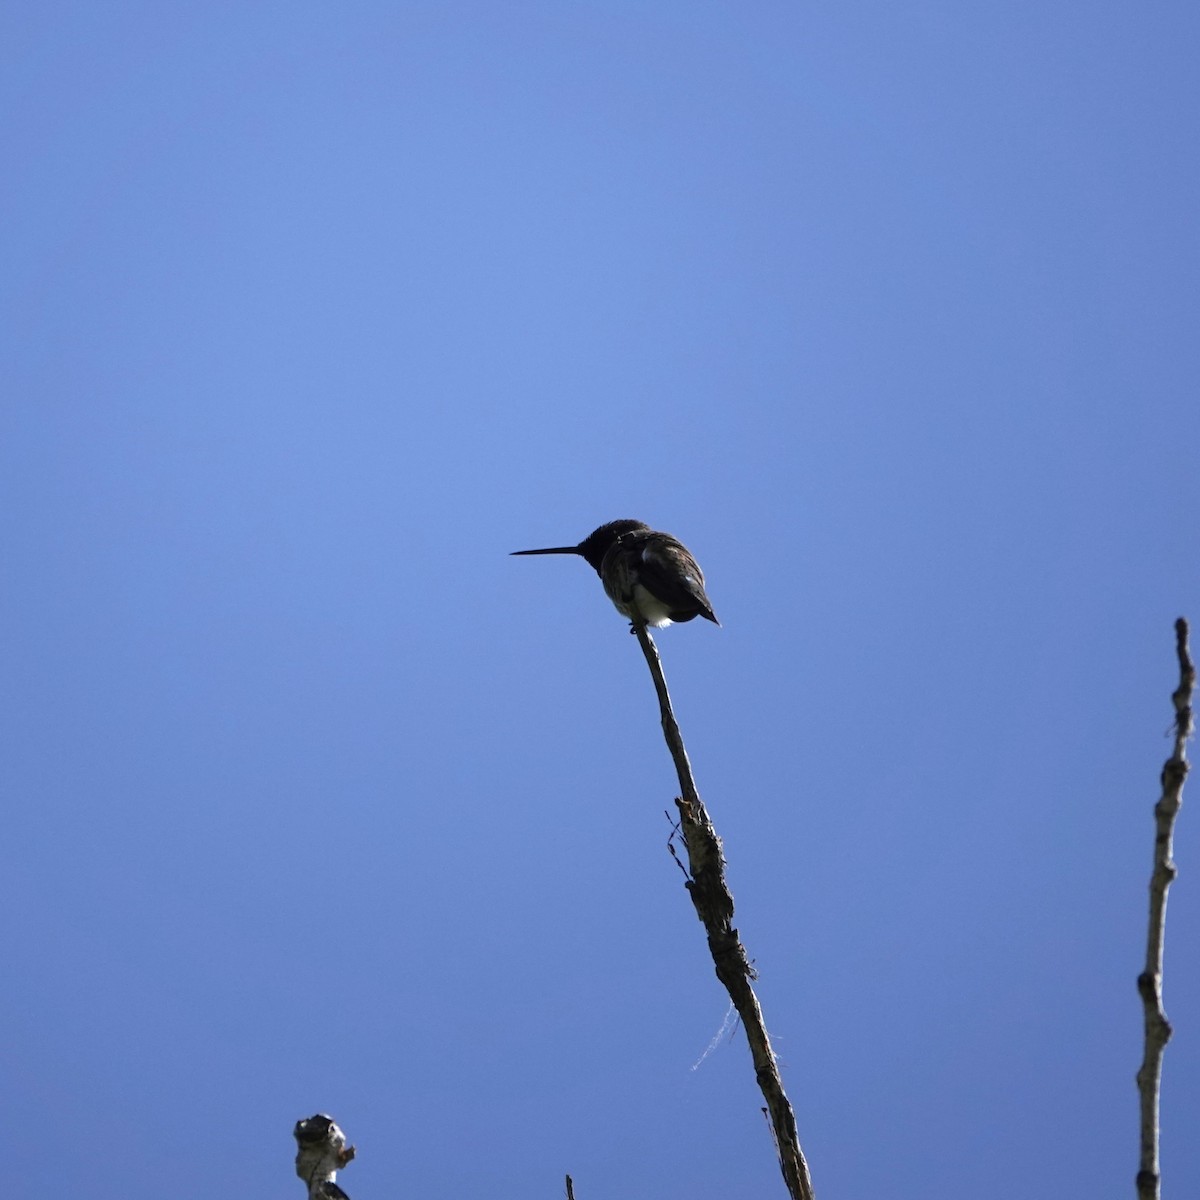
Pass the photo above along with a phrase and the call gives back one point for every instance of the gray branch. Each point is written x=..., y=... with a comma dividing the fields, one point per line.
x=321, y=1153
x=1157, y=1027
x=714, y=906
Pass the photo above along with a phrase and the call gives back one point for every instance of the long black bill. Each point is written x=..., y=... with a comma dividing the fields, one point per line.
x=550, y=550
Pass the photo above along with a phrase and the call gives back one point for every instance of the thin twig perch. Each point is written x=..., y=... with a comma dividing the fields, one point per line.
x=1157, y=1027
x=714, y=906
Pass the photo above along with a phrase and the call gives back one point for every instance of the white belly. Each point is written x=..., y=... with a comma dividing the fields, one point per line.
x=653, y=611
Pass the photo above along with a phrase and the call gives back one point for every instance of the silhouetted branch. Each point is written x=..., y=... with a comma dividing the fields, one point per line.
x=321, y=1153
x=1157, y=1027
x=714, y=906
x=570, y=1189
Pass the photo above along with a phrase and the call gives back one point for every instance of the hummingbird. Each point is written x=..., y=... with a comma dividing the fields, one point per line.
x=649, y=576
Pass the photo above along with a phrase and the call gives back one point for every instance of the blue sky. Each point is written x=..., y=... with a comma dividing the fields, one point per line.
x=316, y=800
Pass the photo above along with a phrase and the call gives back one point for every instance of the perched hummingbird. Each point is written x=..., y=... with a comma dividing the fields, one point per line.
x=647, y=575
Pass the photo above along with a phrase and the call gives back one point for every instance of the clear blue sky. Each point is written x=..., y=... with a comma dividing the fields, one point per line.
x=316, y=800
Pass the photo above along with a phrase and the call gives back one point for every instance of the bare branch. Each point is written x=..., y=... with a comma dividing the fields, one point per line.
x=714, y=905
x=1157, y=1027
x=321, y=1153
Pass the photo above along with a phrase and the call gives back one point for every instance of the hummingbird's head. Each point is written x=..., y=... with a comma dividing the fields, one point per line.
x=597, y=543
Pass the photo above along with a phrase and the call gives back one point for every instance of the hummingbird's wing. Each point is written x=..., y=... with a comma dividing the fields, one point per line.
x=668, y=571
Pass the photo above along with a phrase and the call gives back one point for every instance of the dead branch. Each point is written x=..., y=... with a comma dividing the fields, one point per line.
x=1156, y=1026
x=321, y=1153
x=714, y=906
